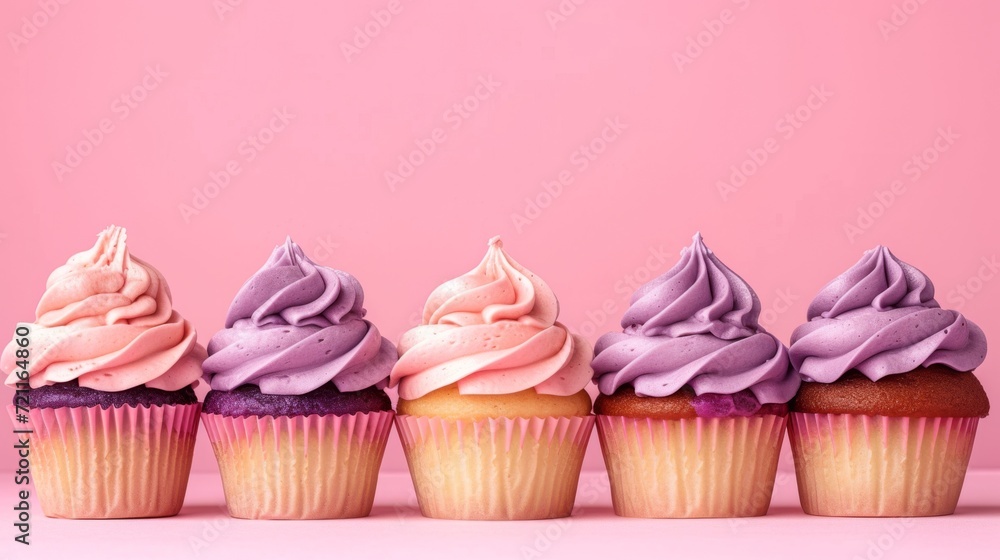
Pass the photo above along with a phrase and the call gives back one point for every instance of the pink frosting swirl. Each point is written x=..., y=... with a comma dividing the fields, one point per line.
x=492, y=331
x=106, y=320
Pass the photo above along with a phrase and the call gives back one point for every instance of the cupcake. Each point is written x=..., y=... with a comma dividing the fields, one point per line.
x=692, y=410
x=887, y=414
x=297, y=412
x=111, y=368
x=493, y=415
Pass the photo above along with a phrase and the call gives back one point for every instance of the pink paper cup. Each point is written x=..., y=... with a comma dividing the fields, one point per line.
x=691, y=467
x=299, y=467
x=95, y=463
x=851, y=465
x=495, y=468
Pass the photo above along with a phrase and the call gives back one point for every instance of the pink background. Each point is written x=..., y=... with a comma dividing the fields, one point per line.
x=864, y=101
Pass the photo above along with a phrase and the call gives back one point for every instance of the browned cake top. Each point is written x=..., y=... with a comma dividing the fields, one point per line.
x=683, y=404
x=926, y=392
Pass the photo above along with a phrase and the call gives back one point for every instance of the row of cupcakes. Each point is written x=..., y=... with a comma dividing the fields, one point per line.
x=876, y=393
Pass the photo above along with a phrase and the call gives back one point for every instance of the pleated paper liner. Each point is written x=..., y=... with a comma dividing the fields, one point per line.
x=113, y=463
x=299, y=467
x=696, y=467
x=878, y=466
x=495, y=468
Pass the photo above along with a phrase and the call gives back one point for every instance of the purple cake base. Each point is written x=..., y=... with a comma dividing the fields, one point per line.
x=249, y=401
x=743, y=403
x=71, y=395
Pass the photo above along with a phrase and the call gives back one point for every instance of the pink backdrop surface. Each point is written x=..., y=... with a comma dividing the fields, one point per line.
x=392, y=139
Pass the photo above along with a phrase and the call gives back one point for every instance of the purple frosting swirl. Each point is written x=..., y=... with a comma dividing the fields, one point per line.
x=696, y=325
x=295, y=326
x=880, y=318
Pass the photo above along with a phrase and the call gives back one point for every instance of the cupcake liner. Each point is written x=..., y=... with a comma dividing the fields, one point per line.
x=299, y=467
x=495, y=468
x=879, y=466
x=111, y=463
x=691, y=467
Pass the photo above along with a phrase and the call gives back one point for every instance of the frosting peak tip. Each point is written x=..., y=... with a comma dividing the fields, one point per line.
x=495, y=241
x=883, y=251
x=292, y=249
x=113, y=232
x=697, y=244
